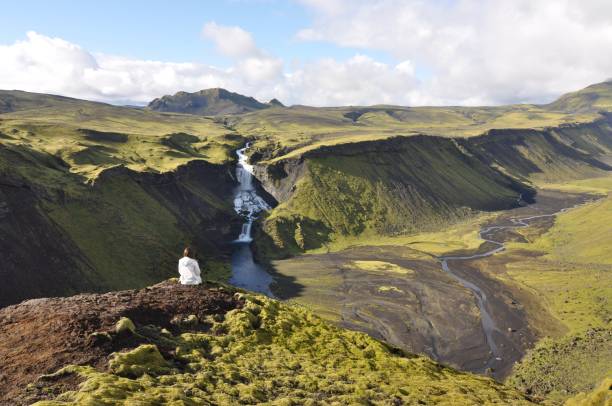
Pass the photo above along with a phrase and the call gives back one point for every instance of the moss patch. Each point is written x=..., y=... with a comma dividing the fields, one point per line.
x=559, y=368
x=381, y=266
x=281, y=354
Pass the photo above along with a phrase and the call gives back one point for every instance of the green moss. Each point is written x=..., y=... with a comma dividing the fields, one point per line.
x=568, y=266
x=140, y=139
x=390, y=289
x=145, y=359
x=558, y=368
x=600, y=396
x=269, y=352
x=125, y=325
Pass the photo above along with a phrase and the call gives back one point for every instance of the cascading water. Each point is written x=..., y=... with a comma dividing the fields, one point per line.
x=247, y=203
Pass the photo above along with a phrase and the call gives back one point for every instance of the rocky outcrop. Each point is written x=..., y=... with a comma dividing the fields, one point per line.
x=276, y=103
x=40, y=336
x=279, y=179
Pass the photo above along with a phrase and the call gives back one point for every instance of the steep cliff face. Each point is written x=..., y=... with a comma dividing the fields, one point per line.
x=405, y=185
x=396, y=186
x=60, y=235
x=561, y=153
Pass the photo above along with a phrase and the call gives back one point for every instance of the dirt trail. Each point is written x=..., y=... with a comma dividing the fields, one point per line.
x=42, y=335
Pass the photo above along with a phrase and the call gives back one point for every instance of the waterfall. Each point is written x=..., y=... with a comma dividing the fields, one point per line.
x=246, y=273
x=247, y=202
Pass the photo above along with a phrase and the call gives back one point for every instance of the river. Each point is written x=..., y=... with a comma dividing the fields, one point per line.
x=489, y=327
x=246, y=273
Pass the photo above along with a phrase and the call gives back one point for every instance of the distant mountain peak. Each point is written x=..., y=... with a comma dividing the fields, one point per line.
x=276, y=103
x=207, y=102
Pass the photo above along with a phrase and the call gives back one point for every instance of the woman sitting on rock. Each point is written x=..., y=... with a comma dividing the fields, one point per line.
x=189, y=269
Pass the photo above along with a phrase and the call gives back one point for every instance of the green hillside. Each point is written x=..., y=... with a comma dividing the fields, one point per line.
x=293, y=131
x=266, y=352
x=594, y=98
x=98, y=197
x=397, y=187
x=95, y=197
x=62, y=148
x=406, y=185
x=572, y=271
x=93, y=136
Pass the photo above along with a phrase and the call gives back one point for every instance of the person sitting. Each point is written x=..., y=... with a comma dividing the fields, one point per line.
x=189, y=269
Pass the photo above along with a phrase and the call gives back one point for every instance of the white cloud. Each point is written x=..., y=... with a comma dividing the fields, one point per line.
x=52, y=65
x=358, y=81
x=479, y=51
x=449, y=52
x=231, y=41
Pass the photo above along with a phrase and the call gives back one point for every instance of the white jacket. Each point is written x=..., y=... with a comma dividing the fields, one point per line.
x=190, y=271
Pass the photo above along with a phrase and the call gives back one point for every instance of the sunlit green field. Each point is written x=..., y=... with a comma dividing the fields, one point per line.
x=94, y=136
x=462, y=235
x=299, y=129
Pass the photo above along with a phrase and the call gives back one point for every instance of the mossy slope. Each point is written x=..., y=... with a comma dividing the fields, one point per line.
x=597, y=97
x=126, y=230
x=273, y=353
x=566, y=366
x=556, y=154
x=91, y=136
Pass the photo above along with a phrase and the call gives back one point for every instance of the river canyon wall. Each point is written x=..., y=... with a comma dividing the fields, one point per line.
x=60, y=235
x=404, y=185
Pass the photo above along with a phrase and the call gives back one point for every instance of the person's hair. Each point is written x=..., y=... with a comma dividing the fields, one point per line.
x=188, y=252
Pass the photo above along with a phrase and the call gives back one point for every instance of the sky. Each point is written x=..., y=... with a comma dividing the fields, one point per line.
x=314, y=52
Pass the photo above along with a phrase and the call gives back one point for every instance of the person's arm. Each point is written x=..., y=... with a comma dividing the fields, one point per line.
x=197, y=266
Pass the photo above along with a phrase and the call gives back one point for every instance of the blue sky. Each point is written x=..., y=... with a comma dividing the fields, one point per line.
x=166, y=30
x=317, y=52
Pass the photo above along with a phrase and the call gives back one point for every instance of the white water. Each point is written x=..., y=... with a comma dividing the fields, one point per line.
x=246, y=273
x=247, y=202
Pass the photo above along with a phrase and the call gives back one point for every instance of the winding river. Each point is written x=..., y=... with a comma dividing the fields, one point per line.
x=249, y=275
x=245, y=272
x=488, y=324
